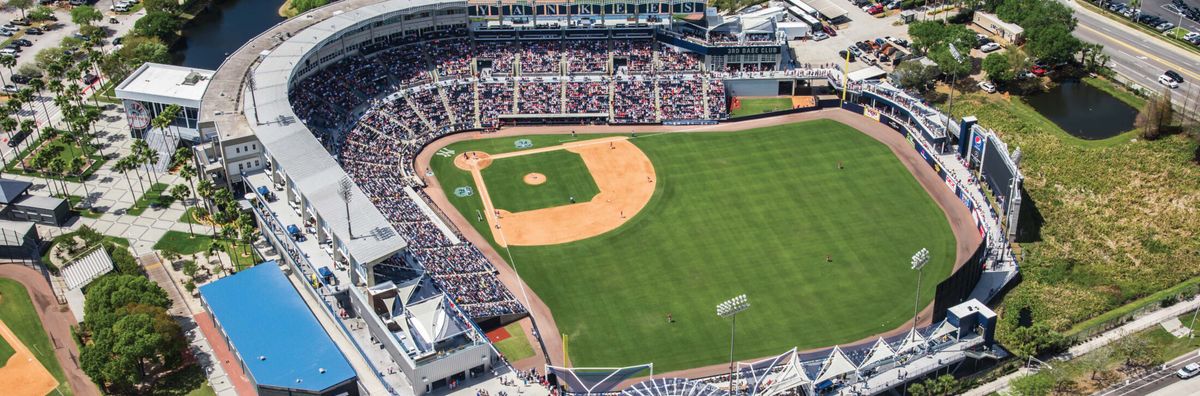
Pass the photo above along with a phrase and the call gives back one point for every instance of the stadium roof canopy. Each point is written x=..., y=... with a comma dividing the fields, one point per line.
x=278, y=339
x=827, y=8
x=160, y=83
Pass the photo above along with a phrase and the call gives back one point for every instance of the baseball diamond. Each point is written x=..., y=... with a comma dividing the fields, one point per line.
x=815, y=220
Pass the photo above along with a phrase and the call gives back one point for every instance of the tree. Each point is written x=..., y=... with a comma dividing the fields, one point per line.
x=165, y=6
x=997, y=68
x=913, y=74
x=1052, y=43
x=142, y=337
x=1136, y=351
x=190, y=268
x=1095, y=361
x=85, y=15
x=41, y=13
x=180, y=193
x=1092, y=56
x=21, y=5
x=157, y=24
x=304, y=5
x=943, y=385
x=1039, y=384
x=1035, y=340
x=107, y=294
x=214, y=249
x=1155, y=116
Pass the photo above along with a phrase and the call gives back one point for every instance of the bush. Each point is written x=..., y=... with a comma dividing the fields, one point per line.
x=124, y=261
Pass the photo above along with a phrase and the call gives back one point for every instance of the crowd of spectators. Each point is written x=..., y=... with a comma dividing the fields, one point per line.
x=461, y=98
x=541, y=57
x=635, y=103
x=587, y=97
x=678, y=99
x=452, y=58
x=672, y=60
x=541, y=97
x=639, y=54
x=586, y=56
x=499, y=101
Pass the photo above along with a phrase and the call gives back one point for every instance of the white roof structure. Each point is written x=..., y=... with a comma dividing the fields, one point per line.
x=869, y=73
x=914, y=340
x=83, y=271
x=836, y=365
x=827, y=8
x=880, y=352
x=943, y=329
x=158, y=83
x=773, y=376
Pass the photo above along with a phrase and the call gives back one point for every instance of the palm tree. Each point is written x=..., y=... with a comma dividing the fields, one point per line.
x=123, y=166
x=42, y=162
x=180, y=193
x=39, y=86
x=169, y=114
x=207, y=191
x=214, y=249
x=131, y=163
x=9, y=125
x=58, y=167
x=77, y=164
x=141, y=153
x=26, y=97
x=8, y=61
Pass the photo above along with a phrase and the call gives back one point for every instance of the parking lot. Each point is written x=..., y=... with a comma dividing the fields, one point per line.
x=1163, y=9
x=861, y=27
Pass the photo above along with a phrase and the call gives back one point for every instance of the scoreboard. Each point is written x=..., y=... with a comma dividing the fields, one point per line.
x=582, y=8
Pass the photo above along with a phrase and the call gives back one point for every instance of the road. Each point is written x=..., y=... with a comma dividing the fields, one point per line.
x=1161, y=382
x=1139, y=56
x=57, y=322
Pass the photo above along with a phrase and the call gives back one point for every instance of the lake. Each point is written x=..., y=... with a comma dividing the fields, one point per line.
x=222, y=28
x=1084, y=111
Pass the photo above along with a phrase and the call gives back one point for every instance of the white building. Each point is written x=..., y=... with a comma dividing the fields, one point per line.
x=153, y=87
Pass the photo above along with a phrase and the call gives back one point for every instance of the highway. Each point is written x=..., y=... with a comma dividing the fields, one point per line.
x=1161, y=382
x=1139, y=56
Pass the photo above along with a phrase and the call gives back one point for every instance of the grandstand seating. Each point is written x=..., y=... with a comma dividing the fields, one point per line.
x=452, y=84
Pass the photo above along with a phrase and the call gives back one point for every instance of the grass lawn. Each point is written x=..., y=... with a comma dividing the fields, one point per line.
x=752, y=212
x=185, y=244
x=75, y=200
x=16, y=310
x=189, y=381
x=752, y=106
x=156, y=196
x=46, y=253
x=189, y=216
x=566, y=176
x=515, y=347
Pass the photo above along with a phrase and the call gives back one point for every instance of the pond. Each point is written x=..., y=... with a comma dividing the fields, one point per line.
x=1084, y=111
x=222, y=28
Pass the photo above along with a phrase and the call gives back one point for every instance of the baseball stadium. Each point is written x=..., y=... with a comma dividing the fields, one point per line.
x=435, y=172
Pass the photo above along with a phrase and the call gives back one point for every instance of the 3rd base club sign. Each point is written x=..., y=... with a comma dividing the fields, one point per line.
x=138, y=116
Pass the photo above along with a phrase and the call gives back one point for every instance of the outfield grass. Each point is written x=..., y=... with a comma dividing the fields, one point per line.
x=752, y=106
x=17, y=312
x=6, y=351
x=566, y=177
x=752, y=212
x=516, y=346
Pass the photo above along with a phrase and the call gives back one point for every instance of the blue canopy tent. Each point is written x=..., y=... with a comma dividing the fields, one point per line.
x=292, y=229
x=262, y=190
x=325, y=272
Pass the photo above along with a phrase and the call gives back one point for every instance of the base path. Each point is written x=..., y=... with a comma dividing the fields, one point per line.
x=23, y=374
x=57, y=320
x=961, y=223
x=623, y=174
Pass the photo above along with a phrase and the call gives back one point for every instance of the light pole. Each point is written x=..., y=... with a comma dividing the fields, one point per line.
x=729, y=309
x=1192, y=326
x=918, y=263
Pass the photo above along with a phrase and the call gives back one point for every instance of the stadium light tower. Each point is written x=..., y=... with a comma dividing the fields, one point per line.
x=729, y=310
x=918, y=263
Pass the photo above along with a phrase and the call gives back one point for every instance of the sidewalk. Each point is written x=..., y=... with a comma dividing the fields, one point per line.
x=1144, y=322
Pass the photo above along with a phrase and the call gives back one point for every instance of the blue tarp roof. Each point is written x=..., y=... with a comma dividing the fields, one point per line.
x=262, y=190
x=262, y=315
x=292, y=229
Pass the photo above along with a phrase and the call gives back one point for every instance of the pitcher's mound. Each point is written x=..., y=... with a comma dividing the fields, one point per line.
x=535, y=178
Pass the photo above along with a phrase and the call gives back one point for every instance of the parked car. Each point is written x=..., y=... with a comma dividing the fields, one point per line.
x=5, y=33
x=9, y=88
x=1189, y=371
x=20, y=22
x=1037, y=70
x=34, y=31
x=1165, y=26
x=1173, y=75
x=18, y=137
x=9, y=51
x=20, y=79
x=90, y=79
x=1168, y=81
x=1190, y=35
x=818, y=36
x=23, y=42
x=843, y=54
x=989, y=47
x=987, y=87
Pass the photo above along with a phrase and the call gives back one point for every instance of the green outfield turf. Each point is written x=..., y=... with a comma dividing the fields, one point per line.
x=752, y=212
x=566, y=177
x=752, y=106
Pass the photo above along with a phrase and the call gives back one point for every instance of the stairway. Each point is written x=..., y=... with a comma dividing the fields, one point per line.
x=562, y=92
x=704, y=99
x=446, y=104
x=657, y=102
x=417, y=110
x=516, y=96
x=478, y=118
x=612, y=88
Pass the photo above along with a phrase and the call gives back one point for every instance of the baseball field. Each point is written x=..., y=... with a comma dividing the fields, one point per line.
x=815, y=222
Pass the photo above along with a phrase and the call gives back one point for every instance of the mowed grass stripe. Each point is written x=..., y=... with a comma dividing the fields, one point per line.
x=752, y=212
x=566, y=176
